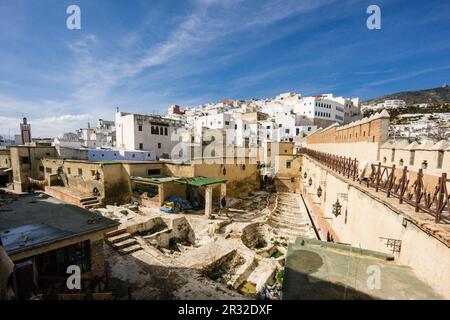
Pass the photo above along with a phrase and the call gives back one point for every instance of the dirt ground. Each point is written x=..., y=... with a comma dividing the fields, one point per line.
x=152, y=273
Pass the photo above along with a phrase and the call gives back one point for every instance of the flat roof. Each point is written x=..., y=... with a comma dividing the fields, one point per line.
x=327, y=271
x=33, y=220
x=155, y=178
x=104, y=161
x=200, y=181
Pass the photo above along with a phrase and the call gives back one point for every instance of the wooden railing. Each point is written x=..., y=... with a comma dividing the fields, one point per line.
x=394, y=182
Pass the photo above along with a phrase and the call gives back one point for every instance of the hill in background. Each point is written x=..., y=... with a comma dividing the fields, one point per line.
x=431, y=96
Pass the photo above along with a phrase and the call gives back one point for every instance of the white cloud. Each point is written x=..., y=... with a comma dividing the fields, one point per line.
x=45, y=127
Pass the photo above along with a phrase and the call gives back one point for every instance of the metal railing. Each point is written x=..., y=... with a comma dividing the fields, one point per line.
x=403, y=184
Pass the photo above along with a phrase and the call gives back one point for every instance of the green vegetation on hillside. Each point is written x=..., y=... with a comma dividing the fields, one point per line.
x=433, y=96
x=442, y=108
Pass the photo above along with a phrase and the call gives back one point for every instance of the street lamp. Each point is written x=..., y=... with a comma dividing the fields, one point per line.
x=319, y=191
x=337, y=208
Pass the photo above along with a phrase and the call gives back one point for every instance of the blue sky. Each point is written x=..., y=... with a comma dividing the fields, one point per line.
x=146, y=55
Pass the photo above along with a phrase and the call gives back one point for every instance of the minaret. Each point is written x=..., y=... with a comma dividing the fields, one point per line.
x=25, y=131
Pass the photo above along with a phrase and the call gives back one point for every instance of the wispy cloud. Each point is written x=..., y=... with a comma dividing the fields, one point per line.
x=407, y=75
x=200, y=50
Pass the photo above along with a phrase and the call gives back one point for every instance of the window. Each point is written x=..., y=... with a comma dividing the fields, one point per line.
x=160, y=131
x=227, y=123
x=92, y=172
x=288, y=164
x=54, y=263
x=280, y=125
x=47, y=154
x=25, y=160
x=69, y=171
x=412, y=155
x=152, y=172
x=80, y=171
x=166, y=131
x=48, y=170
x=440, y=159
x=286, y=130
x=267, y=127
x=393, y=155
x=141, y=146
x=159, y=145
x=140, y=128
x=41, y=168
x=235, y=126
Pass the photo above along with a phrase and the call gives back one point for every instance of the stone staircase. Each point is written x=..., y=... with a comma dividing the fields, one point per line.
x=289, y=218
x=90, y=203
x=122, y=241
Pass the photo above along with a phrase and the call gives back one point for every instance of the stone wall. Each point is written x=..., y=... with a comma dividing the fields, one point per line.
x=372, y=129
x=368, y=219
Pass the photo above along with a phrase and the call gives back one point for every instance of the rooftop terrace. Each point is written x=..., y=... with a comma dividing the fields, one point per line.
x=323, y=270
x=33, y=220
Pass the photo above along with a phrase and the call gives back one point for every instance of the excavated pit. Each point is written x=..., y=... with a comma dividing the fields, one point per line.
x=172, y=234
x=256, y=236
x=224, y=269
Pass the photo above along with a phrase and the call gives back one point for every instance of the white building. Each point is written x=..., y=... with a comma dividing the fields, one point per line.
x=352, y=107
x=112, y=155
x=68, y=140
x=322, y=111
x=389, y=104
x=146, y=132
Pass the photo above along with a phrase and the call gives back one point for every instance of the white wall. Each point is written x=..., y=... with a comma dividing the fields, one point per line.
x=365, y=221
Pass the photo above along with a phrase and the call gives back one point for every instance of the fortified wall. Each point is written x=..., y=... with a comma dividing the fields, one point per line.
x=360, y=139
x=400, y=205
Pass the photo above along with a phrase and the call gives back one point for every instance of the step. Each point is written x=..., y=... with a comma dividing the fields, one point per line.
x=93, y=201
x=290, y=226
x=119, y=237
x=288, y=212
x=130, y=249
x=83, y=200
x=91, y=206
x=123, y=244
x=115, y=232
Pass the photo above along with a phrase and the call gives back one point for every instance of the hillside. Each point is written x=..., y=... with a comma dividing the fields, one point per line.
x=431, y=96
